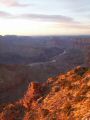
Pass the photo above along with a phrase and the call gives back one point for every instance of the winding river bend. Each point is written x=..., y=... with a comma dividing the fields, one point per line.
x=51, y=61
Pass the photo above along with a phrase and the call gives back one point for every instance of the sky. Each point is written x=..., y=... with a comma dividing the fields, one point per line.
x=44, y=17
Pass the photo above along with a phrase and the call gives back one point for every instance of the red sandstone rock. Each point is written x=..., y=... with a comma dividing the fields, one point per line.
x=65, y=97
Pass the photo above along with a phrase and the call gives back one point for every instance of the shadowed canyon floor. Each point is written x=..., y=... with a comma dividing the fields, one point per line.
x=63, y=97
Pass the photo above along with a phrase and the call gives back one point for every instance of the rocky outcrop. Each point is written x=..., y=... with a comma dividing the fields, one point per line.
x=34, y=92
x=64, y=97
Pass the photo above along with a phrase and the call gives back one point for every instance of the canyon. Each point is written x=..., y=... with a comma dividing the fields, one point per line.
x=40, y=80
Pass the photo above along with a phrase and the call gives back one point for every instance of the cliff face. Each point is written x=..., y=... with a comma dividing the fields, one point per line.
x=64, y=97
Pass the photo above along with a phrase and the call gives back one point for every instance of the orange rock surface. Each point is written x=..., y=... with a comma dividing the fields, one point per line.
x=64, y=97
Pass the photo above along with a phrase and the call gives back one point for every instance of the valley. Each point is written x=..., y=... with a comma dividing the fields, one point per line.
x=34, y=59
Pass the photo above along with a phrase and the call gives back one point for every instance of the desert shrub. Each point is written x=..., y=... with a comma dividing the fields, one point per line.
x=80, y=71
x=67, y=108
x=45, y=112
x=79, y=98
x=85, y=89
x=65, y=83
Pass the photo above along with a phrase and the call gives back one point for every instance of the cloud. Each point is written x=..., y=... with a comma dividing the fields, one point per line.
x=13, y=3
x=38, y=17
x=5, y=14
x=53, y=18
x=58, y=20
x=74, y=26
